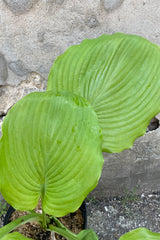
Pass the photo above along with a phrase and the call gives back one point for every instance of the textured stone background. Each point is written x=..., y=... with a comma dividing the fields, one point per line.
x=34, y=32
x=136, y=169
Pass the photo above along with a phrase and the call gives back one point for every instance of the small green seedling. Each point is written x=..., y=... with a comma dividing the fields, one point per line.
x=129, y=196
x=3, y=209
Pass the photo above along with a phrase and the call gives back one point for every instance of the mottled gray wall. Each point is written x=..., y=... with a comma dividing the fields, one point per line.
x=135, y=169
x=34, y=32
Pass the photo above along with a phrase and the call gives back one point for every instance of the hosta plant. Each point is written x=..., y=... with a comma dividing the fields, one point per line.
x=100, y=96
x=50, y=150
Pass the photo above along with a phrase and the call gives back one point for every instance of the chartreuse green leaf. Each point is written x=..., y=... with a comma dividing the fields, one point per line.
x=120, y=76
x=50, y=149
x=140, y=234
x=88, y=234
x=15, y=236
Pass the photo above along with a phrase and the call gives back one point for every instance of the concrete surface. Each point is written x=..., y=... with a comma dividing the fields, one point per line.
x=33, y=33
x=136, y=169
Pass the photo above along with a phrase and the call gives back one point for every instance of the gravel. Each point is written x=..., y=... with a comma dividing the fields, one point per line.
x=110, y=218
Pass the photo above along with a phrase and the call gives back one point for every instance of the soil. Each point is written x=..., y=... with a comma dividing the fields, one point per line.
x=110, y=218
x=30, y=230
x=73, y=221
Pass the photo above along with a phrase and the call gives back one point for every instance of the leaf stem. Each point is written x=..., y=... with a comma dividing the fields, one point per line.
x=44, y=221
x=57, y=222
x=63, y=231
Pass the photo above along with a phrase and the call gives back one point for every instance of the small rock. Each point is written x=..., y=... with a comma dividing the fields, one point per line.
x=18, y=68
x=144, y=2
x=110, y=209
x=40, y=36
x=106, y=209
x=20, y=6
x=154, y=124
x=113, y=210
x=111, y=4
x=92, y=22
x=150, y=195
x=121, y=219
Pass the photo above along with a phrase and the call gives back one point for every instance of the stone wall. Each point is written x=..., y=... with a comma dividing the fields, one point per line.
x=34, y=32
x=134, y=170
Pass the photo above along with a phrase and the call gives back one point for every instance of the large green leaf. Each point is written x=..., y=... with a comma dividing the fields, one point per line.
x=140, y=234
x=120, y=76
x=50, y=148
x=15, y=236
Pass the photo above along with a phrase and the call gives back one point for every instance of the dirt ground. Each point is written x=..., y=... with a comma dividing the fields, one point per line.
x=110, y=218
